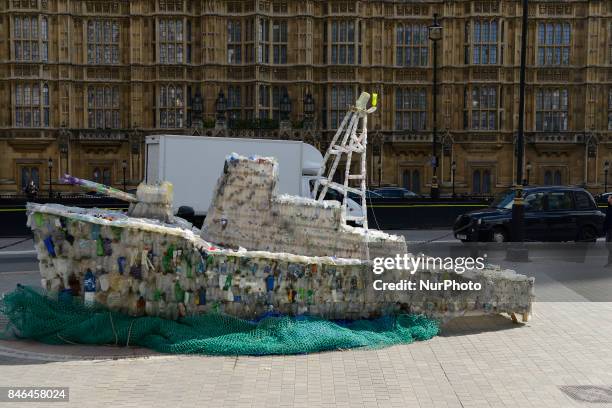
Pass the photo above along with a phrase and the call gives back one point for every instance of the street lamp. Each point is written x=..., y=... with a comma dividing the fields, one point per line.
x=454, y=170
x=435, y=35
x=124, y=166
x=50, y=164
x=520, y=253
x=221, y=106
x=308, y=105
x=606, y=169
x=528, y=168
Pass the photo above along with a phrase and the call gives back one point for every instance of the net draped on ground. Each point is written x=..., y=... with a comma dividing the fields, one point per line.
x=33, y=315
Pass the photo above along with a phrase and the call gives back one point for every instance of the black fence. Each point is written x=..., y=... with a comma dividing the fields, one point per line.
x=382, y=213
x=13, y=216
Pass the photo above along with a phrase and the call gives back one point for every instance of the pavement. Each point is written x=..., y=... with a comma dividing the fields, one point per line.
x=565, y=348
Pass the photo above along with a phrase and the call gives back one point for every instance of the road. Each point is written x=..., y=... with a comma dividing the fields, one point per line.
x=563, y=272
x=475, y=362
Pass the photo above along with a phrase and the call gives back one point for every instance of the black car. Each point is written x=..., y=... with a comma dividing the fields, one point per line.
x=551, y=214
x=395, y=192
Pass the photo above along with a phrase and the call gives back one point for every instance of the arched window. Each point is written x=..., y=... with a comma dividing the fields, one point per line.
x=558, y=177
x=96, y=175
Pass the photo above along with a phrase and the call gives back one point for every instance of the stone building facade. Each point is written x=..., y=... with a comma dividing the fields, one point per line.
x=83, y=81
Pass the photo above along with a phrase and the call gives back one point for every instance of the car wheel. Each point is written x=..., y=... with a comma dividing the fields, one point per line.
x=499, y=235
x=587, y=234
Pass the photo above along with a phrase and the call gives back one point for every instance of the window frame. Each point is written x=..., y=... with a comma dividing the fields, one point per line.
x=97, y=46
x=344, y=51
x=408, y=114
x=541, y=110
x=177, y=47
x=28, y=104
x=546, y=52
x=104, y=113
x=403, y=49
x=472, y=106
x=337, y=109
x=36, y=40
x=164, y=109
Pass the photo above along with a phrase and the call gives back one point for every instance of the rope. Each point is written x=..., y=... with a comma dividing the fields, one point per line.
x=113, y=327
x=127, y=343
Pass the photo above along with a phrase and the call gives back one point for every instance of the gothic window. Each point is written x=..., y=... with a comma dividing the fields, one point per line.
x=481, y=181
x=171, y=5
x=553, y=178
x=482, y=40
x=346, y=42
x=410, y=109
x=610, y=109
x=103, y=107
x=31, y=105
x=263, y=49
x=102, y=175
x=234, y=42
x=610, y=43
x=480, y=108
x=551, y=110
x=272, y=43
x=30, y=38
x=411, y=180
x=412, y=45
x=29, y=173
x=171, y=106
x=234, y=102
x=103, y=42
x=554, y=43
x=279, y=41
x=341, y=98
x=269, y=101
x=174, y=39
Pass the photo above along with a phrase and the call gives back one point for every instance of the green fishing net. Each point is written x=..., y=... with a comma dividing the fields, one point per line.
x=33, y=315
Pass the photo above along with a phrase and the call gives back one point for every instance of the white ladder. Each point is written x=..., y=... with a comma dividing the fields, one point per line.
x=351, y=143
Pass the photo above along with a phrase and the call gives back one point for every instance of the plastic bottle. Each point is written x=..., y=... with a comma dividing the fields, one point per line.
x=89, y=286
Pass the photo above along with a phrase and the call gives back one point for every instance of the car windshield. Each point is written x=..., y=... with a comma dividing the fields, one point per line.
x=504, y=200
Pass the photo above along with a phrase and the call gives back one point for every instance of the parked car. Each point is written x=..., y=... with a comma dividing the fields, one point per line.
x=369, y=195
x=551, y=214
x=395, y=192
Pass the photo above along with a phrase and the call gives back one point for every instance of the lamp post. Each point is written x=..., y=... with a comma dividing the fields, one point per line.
x=220, y=107
x=606, y=169
x=435, y=35
x=285, y=111
x=454, y=170
x=520, y=252
x=308, y=108
x=528, y=168
x=124, y=166
x=50, y=164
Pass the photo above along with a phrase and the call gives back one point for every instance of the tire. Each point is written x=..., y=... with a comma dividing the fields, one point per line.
x=587, y=234
x=499, y=235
